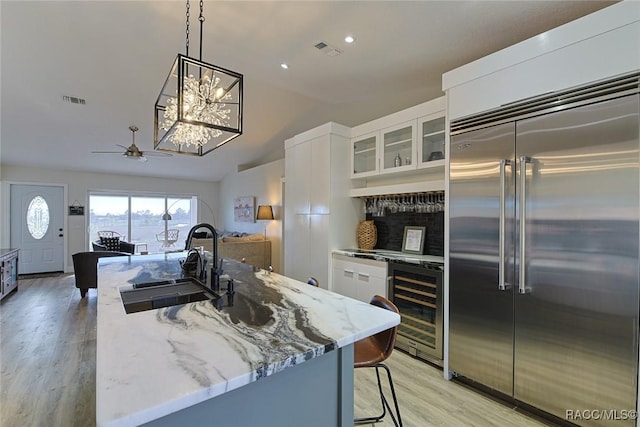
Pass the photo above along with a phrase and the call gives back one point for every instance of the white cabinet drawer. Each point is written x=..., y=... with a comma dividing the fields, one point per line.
x=359, y=278
x=360, y=266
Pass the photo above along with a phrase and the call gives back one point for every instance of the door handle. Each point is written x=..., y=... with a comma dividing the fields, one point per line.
x=502, y=285
x=522, y=286
x=60, y=235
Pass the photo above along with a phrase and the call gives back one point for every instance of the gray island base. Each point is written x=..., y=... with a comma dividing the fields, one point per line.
x=278, y=353
x=317, y=393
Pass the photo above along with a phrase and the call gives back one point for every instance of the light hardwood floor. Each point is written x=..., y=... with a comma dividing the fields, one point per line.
x=47, y=362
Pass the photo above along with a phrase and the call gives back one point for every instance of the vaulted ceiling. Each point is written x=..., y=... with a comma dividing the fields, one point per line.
x=116, y=55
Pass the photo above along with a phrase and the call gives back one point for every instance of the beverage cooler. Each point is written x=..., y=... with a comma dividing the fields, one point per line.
x=416, y=289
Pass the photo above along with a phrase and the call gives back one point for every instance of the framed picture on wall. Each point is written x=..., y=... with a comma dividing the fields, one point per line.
x=413, y=240
x=244, y=209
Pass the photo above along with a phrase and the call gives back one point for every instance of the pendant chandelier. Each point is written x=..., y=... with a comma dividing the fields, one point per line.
x=200, y=105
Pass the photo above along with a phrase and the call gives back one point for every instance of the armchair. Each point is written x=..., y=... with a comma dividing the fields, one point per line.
x=169, y=238
x=124, y=247
x=85, y=267
x=109, y=233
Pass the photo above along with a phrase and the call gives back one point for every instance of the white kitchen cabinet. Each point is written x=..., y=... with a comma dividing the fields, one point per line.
x=307, y=161
x=343, y=282
x=398, y=151
x=400, y=144
x=596, y=47
x=299, y=158
x=364, y=155
x=388, y=150
x=297, y=246
x=359, y=278
x=305, y=254
x=319, y=215
x=431, y=140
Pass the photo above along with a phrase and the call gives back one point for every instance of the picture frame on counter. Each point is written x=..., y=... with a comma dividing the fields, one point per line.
x=413, y=239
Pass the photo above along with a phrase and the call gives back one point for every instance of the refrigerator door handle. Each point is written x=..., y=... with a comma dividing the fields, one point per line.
x=502, y=286
x=522, y=287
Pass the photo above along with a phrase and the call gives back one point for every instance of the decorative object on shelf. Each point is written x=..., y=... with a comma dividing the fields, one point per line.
x=436, y=155
x=367, y=235
x=413, y=240
x=397, y=161
x=243, y=208
x=200, y=105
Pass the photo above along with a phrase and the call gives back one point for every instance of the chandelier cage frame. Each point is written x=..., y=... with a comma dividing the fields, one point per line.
x=199, y=107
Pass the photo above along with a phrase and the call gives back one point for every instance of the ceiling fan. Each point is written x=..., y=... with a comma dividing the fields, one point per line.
x=132, y=151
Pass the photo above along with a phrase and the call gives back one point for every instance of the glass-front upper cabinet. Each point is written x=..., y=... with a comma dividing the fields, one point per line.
x=431, y=140
x=364, y=156
x=398, y=147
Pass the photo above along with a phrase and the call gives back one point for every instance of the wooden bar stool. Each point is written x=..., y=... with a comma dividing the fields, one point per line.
x=371, y=352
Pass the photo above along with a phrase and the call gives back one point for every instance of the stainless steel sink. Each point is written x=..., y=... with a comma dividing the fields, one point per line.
x=165, y=293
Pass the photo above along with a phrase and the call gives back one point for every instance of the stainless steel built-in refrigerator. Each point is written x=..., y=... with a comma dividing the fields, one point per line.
x=544, y=237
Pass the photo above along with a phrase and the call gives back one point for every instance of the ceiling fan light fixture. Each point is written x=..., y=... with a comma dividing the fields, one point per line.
x=132, y=152
x=199, y=107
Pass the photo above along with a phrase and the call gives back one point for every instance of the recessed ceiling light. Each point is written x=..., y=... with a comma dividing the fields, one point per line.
x=349, y=39
x=285, y=66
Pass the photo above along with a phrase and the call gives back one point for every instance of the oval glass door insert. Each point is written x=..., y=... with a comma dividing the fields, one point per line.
x=38, y=217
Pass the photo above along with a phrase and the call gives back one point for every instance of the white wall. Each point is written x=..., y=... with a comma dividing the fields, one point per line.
x=264, y=183
x=80, y=183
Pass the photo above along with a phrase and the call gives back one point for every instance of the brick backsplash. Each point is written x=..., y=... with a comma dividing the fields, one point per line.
x=391, y=230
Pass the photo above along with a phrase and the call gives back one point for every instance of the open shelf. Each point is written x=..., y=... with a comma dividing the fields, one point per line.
x=391, y=144
x=412, y=187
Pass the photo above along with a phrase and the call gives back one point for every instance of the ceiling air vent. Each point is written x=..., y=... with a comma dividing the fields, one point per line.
x=327, y=49
x=73, y=99
x=320, y=45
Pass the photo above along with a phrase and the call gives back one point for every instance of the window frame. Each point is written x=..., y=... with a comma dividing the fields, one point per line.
x=170, y=199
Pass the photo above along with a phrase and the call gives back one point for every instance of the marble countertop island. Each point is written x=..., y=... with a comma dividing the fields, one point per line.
x=154, y=363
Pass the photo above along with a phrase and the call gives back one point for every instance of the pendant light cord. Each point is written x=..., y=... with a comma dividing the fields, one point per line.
x=186, y=44
x=201, y=19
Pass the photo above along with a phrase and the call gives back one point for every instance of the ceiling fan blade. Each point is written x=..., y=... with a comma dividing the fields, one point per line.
x=132, y=152
x=156, y=154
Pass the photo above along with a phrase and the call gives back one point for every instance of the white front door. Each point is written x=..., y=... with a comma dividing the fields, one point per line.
x=37, y=218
